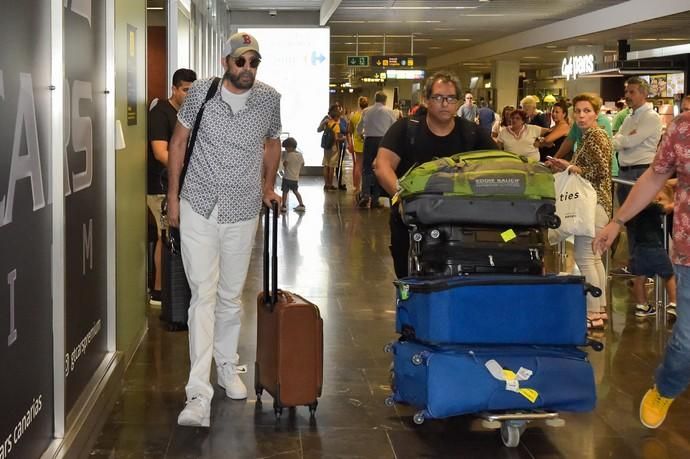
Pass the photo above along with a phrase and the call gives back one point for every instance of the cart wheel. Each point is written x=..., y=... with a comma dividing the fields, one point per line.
x=388, y=348
x=555, y=422
x=510, y=434
x=312, y=409
x=492, y=425
x=389, y=401
x=417, y=359
x=418, y=418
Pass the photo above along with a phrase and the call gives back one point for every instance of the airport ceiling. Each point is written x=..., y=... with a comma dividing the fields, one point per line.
x=434, y=28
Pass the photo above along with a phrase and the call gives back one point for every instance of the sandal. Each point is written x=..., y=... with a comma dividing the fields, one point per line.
x=603, y=315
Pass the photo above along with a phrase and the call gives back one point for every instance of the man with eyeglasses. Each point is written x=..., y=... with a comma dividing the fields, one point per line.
x=231, y=172
x=411, y=142
x=468, y=110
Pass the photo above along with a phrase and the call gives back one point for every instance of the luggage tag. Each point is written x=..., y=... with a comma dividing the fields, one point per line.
x=512, y=379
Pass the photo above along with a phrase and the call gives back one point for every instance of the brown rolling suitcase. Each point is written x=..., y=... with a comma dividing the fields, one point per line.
x=289, y=345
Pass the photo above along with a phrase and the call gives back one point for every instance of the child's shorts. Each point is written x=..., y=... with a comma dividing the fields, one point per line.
x=650, y=262
x=288, y=185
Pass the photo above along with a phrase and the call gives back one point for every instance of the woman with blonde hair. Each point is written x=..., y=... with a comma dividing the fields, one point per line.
x=592, y=161
x=534, y=116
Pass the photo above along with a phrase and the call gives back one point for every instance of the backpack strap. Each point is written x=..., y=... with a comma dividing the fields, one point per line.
x=412, y=129
x=197, y=122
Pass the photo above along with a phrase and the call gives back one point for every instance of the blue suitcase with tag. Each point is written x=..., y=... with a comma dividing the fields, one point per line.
x=444, y=381
x=494, y=309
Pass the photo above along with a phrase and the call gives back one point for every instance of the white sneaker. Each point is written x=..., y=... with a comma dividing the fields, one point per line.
x=229, y=379
x=196, y=413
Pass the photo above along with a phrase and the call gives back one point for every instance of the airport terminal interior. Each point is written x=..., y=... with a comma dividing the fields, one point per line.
x=92, y=369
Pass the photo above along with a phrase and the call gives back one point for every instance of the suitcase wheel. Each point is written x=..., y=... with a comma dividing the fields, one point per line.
x=389, y=401
x=418, y=418
x=511, y=431
x=387, y=348
x=417, y=359
x=277, y=410
x=312, y=409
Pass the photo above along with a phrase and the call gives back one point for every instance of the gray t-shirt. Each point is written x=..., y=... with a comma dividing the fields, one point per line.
x=469, y=113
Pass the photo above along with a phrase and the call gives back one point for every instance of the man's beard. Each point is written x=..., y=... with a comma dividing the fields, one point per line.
x=238, y=82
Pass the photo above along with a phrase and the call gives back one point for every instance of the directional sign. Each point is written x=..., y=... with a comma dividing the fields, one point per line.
x=358, y=61
x=398, y=61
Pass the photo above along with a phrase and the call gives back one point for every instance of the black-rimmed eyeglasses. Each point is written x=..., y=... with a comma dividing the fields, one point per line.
x=439, y=99
x=253, y=62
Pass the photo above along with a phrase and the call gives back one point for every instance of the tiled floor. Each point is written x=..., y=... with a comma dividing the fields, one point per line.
x=337, y=256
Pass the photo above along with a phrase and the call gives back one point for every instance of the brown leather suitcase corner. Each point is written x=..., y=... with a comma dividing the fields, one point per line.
x=289, y=347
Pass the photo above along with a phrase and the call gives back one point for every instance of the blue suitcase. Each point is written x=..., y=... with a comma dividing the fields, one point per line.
x=494, y=309
x=454, y=380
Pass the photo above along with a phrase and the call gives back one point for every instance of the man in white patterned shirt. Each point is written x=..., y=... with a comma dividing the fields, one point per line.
x=232, y=170
x=636, y=142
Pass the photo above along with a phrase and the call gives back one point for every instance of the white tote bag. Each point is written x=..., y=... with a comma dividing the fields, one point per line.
x=576, y=202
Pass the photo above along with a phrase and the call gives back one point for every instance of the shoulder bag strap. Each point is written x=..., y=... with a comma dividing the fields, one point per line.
x=197, y=122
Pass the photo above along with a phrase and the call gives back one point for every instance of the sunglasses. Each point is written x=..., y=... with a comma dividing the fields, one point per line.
x=253, y=62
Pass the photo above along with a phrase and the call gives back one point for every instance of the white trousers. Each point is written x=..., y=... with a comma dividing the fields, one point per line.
x=216, y=259
x=591, y=265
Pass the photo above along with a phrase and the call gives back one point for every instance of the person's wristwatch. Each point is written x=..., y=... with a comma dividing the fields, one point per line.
x=618, y=221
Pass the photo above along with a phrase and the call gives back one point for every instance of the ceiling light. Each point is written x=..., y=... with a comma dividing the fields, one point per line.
x=155, y=8
x=460, y=39
x=407, y=7
x=551, y=46
x=531, y=57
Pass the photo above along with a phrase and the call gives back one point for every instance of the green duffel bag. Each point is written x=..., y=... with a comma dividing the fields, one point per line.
x=490, y=187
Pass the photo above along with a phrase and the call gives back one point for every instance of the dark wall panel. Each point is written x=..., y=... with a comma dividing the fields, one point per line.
x=25, y=230
x=85, y=194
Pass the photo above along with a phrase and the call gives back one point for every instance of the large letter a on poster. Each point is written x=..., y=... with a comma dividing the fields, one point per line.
x=28, y=165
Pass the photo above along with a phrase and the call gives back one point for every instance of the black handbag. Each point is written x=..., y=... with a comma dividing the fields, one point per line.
x=175, y=292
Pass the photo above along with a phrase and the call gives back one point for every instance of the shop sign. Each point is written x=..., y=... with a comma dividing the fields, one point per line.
x=576, y=65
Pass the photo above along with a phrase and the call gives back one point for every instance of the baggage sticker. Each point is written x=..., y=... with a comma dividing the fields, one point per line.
x=508, y=235
x=404, y=291
x=529, y=394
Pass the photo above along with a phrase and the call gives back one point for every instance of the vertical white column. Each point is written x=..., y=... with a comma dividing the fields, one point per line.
x=111, y=232
x=58, y=214
x=172, y=42
x=504, y=79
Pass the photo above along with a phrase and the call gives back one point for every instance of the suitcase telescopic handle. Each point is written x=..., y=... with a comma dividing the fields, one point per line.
x=271, y=238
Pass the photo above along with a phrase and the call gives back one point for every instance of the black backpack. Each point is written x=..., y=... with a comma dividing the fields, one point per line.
x=327, y=138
